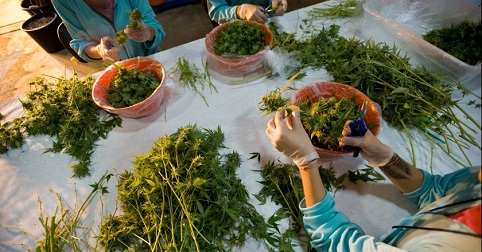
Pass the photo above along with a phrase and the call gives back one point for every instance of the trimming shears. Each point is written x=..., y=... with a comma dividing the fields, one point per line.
x=359, y=127
x=267, y=9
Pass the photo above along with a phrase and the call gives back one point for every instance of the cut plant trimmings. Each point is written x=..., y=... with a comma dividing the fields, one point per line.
x=130, y=86
x=413, y=99
x=190, y=76
x=183, y=195
x=63, y=109
x=339, y=9
x=67, y=229
x=240, y=38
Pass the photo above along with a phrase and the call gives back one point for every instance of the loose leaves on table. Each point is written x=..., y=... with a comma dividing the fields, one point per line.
x=62, y=109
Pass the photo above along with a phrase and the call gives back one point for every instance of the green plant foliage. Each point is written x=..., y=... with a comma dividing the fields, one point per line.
x=183, y=195
x=274, y=101
x=64, y=231
x=131, y=86
x=239, y=39
x=63, y=109
x=340, y=9
x=412, y=98
x=190, y=76
x=461, y=41
x=135, y=17
x=324, y=120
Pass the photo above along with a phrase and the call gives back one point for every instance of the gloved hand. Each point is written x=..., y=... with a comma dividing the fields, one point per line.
x=252, y=13
x=290, y=138
x=280, y=6
x=107, y=50
x=372, y=150
x=141, y=34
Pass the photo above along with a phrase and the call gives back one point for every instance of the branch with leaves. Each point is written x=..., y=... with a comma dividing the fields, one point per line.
x=62, y=109
x=412, y=98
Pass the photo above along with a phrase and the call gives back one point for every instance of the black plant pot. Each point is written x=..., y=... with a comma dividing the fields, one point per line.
x=34, y=9
x=46, y=35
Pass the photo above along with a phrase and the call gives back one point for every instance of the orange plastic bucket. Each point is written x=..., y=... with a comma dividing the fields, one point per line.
x=141, y=109
x=236, y=67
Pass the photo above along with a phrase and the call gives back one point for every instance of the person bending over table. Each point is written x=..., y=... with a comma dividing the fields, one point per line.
x=93, y=25
x=223, y=11
x=449, y=216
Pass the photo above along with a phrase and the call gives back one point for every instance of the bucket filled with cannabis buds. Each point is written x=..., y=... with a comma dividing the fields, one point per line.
x=324, y=109
x=238, y=48
x=131, y=88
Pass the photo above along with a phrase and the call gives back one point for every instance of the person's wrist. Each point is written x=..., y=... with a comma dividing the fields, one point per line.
x=92, y=52
x=307, y=162
x=394, y=158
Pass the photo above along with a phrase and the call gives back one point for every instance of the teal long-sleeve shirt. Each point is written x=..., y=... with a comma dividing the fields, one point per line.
x=223, y=11
x=87, y=27
x=331, y=230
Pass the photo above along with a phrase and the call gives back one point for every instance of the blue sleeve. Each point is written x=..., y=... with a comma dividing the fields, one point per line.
x=436, y=186
x=87, y=27
x=223, y=11
x=71, y=14
x=331, y=230
x=149, y=18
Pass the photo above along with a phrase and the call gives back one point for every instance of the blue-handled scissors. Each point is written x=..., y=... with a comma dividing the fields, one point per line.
x=359, y=127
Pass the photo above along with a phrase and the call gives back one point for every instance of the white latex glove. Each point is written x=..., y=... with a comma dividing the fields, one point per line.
x=107, y=50
x=280, y=5
x=290, y=138
x=252, y=13
x=141, y=34
x=372, y=150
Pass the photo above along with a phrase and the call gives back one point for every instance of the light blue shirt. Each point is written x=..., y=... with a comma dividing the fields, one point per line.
x=223, y=11
x=87, y=27
x=331, y=230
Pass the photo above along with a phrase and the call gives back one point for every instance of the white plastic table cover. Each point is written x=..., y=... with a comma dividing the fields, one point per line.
x=27, y=175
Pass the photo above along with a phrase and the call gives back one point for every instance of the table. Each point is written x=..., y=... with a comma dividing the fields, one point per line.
x=28, y=176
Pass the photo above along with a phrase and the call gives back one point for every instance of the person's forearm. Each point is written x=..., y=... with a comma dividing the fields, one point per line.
x=312, y=184
x=403, y=175
x=92, y=52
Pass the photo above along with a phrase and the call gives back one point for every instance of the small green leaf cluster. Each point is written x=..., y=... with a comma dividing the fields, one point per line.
x=131, y=86
x=11, y=136
x=461, y=41
x=135, y=17
x=273, y=101
x=183, y=195
x=239, y=39
x=63, y=109
x=324, y=120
